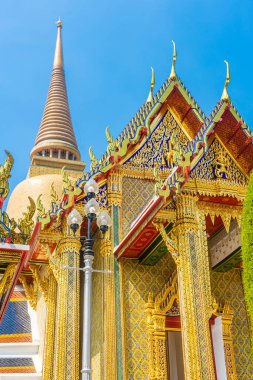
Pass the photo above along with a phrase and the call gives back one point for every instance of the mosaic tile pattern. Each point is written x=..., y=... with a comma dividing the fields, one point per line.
x=139, y=280
x=136, y=193
x=16, y=362
x=16, y=323
x=16, y=365
x=228, y=286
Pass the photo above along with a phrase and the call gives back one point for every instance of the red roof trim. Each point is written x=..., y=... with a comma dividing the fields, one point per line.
x=26, y=252
x=137, y=223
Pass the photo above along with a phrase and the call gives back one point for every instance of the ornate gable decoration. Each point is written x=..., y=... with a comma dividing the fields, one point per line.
x=155, y=151
x=217, y=164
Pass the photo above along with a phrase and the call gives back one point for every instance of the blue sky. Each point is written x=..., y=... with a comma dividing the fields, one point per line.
x=109, y=47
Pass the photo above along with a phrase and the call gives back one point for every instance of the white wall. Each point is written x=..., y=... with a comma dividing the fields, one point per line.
x=218, y=348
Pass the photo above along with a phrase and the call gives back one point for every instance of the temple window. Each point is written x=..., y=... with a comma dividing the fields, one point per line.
x=63, y=154
x=55, y=153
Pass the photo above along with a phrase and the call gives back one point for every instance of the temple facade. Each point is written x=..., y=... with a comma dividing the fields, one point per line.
x=168, y=300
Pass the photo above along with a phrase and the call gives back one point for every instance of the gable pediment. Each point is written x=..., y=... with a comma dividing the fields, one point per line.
x=155, y=151
x=217, y=164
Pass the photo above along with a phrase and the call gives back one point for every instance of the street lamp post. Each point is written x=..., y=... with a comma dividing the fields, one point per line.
x=103, y=222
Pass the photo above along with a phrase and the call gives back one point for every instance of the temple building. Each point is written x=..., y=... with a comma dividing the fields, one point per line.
x=168, y=300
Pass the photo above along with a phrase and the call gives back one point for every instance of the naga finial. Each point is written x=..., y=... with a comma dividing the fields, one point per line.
x=152, y=85
x=66, y=182
x=108, y=135
x=26, y=223
x=225, y=97
x=53, y=194
x=40, y=208
x=5, y=171
x=93, y=158
x=173, y=75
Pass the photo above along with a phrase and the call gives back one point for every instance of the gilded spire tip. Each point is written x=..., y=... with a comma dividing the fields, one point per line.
x=173, y=75
x=152, y=85
x=58, y=56
x=59, y=23
x=225, y=97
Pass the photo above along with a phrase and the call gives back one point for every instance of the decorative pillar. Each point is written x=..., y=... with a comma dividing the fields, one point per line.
x=48, y=367
x=157, y=341
x=68, y=310
x=194, y=290
x=108, y=310
x=227, y=317
x=116, y=357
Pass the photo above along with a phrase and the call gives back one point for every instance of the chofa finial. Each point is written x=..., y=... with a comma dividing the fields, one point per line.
x=225, y=97
x=152, y=85
x=173, y=75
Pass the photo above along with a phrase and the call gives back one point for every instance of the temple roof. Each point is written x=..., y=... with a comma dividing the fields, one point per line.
x=179, y=98
x=56, y=129
x=225, y=121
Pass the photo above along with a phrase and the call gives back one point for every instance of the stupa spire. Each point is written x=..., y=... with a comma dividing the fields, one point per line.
x=56, y=136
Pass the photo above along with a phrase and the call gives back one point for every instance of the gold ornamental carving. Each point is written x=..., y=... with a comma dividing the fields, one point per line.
x=43, y=284
x=106, y=246
x=31, y=290
x=5, y=171
x=68, y=313
x=156, y=310
x=115, y=188
x=194, y=289
x=218, y=164
x=68, y=244
x=49, y=366
x=226, y=212
x=170, y=241
x=6, y=280
x=166, y=144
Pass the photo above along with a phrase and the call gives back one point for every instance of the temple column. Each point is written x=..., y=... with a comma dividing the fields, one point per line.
x=68, y=310
x=227, y=318
x=194, y=290
x=109, y=370
x=113, y=321
x=48, y=367
x=157, y=341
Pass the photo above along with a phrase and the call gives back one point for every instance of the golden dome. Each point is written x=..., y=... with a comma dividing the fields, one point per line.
x=33, y=187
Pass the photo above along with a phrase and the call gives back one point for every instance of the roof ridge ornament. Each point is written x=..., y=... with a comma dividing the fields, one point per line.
x=173, y=75
x=93, y=159
x=152, y=85
x=225, y=97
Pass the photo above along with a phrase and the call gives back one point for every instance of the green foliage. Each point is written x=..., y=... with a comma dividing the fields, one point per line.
x=247, y=249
